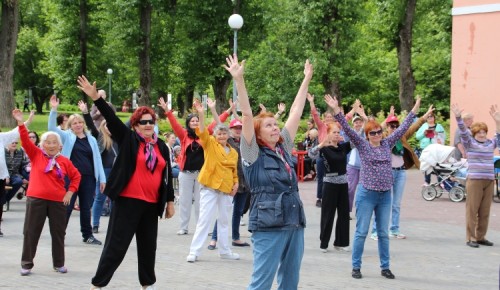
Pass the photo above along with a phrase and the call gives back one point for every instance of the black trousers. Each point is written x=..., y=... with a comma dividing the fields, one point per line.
x=37, y=211
x=129, y=217
x=335, y=200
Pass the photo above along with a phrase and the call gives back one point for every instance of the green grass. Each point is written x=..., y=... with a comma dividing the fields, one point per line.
x=40, y=122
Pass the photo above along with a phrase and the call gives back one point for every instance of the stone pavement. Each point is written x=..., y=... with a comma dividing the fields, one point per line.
x=434, y=256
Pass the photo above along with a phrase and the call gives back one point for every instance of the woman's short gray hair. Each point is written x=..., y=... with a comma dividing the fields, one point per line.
x=47, y=134
x=221, y=127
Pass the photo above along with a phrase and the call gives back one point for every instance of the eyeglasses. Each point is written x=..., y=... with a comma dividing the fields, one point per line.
x=32, y=137
x=145, y=122
x=373, y=133
x=14, y=142
x=394, y=126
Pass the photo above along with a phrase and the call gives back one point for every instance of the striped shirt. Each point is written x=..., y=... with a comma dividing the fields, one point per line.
x=479, y=154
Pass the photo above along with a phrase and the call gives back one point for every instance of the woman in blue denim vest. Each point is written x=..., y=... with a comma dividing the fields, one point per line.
x=277, y=218
x=373, y=194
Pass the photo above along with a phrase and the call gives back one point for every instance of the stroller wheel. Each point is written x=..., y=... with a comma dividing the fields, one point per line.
x=429, y=193
x=457, y=194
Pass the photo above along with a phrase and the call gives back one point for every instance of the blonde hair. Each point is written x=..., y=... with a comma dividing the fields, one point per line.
x=106, y=140
x=72, y=119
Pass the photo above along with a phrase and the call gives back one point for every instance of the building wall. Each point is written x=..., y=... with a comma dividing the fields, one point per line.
x=475, y=64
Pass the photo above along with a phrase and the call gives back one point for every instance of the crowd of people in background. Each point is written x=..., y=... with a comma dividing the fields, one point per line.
x=102, y=166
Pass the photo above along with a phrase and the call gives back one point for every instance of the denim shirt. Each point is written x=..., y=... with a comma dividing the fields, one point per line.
x=275, y=203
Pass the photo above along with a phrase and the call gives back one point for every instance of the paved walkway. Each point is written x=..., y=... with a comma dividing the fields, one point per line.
x=434, y=256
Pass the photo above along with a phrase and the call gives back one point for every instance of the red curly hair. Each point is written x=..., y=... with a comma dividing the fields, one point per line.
x=371, y=126
x=136, y=116
x=257, y=122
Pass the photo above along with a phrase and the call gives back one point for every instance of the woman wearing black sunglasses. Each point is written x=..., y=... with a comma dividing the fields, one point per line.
x=140, y=184
x=374, y=189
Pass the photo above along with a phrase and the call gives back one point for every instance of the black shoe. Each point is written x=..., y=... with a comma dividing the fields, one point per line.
x=244, y=244
x=95, y=229
x=356, y=274
x=1, y=234
x=485, y=243
x=472, y=244
x=91, y=240
x=387, y=274
x=318, y=203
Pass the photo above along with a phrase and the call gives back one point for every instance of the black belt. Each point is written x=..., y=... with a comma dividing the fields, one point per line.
x=399, y=168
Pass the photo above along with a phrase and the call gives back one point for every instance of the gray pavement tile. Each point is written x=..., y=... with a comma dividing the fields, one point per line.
x=434, y=256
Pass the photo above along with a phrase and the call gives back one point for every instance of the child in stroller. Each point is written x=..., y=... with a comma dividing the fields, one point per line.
x=437, y=160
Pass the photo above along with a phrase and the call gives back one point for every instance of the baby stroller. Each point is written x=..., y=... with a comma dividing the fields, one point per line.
x=435, y=160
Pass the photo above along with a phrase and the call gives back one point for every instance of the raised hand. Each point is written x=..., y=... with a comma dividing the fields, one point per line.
x=429, y=111
x=163, y=104
x=456, y=110
x=310, y=98
x=416, y=107
x=54, y=102
x=332, y=102
x=262, y=108
x=495, y=113
x=18, y=115
x=211, y=103
x=391, y=111
x=233, y=67
x=281, y=108
x=198, y=106
x=89, y=89
x=83, y=107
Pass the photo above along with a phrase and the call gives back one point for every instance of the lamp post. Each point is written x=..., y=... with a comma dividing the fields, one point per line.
x=235, y=21
x=110, y=74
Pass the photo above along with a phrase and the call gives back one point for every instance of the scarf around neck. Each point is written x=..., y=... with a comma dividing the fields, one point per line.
x=149, y=151
x=52, y=162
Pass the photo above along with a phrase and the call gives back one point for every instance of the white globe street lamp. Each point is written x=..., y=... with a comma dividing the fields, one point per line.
x=235, y=21
x=110, y=74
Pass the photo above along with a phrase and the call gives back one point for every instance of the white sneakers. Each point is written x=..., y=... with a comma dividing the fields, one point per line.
x=345, y=249
x=182, y=232
x=230, y=256
x=150, y=287
x=324, y=250
x=191, y=258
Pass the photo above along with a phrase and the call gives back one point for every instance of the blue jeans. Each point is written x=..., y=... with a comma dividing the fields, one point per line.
x=398, y=187
x=99, y=200
x=238, y=206
x=280, y=251
x=369, y=201
x=175, y=172
x=320, y=172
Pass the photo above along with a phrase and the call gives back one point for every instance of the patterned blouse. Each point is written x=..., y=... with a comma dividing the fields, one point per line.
x=376, y=165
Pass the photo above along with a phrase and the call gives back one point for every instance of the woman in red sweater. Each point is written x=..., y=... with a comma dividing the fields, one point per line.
x=46, y=197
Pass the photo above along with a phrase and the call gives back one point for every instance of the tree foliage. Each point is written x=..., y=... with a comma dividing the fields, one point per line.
x=352, y=44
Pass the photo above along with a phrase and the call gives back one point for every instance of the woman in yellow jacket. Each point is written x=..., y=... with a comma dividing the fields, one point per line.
x=219, y=180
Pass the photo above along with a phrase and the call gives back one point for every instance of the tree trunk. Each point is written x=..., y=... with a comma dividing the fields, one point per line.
x=332, y=87
x=406, y=79
x=220, y=90
x=83, y=40
x=9, y=27
x=145, y=10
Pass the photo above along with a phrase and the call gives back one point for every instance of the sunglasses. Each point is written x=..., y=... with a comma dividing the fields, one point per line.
x=394, y=126
x=373, y=133
x=145, y=122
